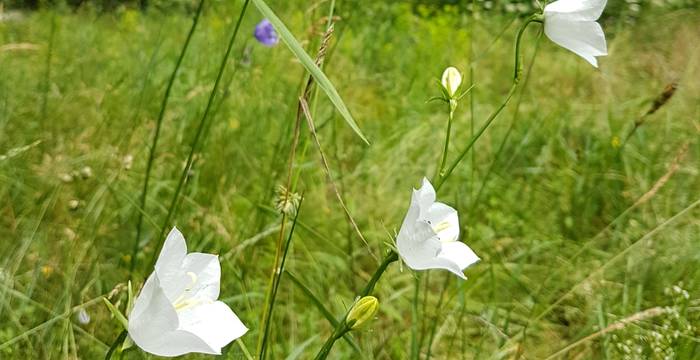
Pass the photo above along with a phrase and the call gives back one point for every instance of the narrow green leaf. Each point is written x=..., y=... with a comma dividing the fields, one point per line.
x=117, y=314
x=326, y=313
x=310, y=65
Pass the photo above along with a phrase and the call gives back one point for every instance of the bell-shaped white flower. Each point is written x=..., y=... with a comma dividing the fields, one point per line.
x=177, y=311
x=428, y=238
x=572, y=24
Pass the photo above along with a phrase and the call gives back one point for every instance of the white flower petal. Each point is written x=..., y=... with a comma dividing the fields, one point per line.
x=418, y=246
x=446, y=264
x=153, y=324
x=176, y=343
x=143, y=300
x=444, y=221
x=214, y=323
x=575, y=10
x=205, y=270
x=169, y=265
x=586, y=39
x=458, y=253
x=427, y=238
x=423, y=197
x=412, y=240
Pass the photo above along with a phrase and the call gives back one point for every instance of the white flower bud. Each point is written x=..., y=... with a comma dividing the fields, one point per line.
x=451, y=80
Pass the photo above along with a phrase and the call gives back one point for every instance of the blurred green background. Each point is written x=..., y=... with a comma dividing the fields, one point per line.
x=577, y=233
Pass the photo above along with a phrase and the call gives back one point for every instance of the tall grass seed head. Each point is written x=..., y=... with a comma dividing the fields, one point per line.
x=286, y=202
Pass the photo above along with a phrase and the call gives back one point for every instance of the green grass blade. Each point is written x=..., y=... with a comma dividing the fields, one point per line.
x=156, y=136
x=276, y=283
x=310, y=66
x=324, y=311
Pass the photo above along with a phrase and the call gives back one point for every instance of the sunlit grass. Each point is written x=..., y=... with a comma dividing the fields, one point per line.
x=541, y=223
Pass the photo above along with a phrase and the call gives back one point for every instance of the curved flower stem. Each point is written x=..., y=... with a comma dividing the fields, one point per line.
x=156, y=135
x=538, y=18
x=197, y=138
x=343, y=326
x=369, y=288
x=476, y=137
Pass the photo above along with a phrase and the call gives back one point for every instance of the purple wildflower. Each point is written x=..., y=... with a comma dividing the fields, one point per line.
x=266, y=34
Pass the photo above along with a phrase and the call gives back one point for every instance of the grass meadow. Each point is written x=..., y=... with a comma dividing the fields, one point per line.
x=589, y=242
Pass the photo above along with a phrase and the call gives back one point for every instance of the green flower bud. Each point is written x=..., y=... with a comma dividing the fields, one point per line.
x=363, y=310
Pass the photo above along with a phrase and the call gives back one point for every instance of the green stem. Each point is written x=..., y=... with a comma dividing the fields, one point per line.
x=328, y=345
x=276, y=283
x=450, y=117
x=511, y=127
x=47, y=73
x=476, y=137
x=198, y=136
x=117, y=342
x=369, y=288
x=538, y=18
x=278, y=247
x=414, y=318
x=342, y=326
x=156, y=136
x=534, y=18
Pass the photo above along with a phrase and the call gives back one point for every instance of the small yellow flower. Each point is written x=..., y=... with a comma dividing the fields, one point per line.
x=234, y=124
x=615, y=142
x=46, y=270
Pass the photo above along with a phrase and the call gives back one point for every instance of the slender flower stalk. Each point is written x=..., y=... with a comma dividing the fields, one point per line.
x=476, y=137
x=156, y=136
x=451, y=82
x=448, y=133
x=302, y=110
x=343, y=326
x=285, y=198
x=198, y=136
x=536, y=18
x=276, y=282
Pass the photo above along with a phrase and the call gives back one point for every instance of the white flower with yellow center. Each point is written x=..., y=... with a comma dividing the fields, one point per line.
x=572, y=24
x=177, y=311
x=428, y=238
